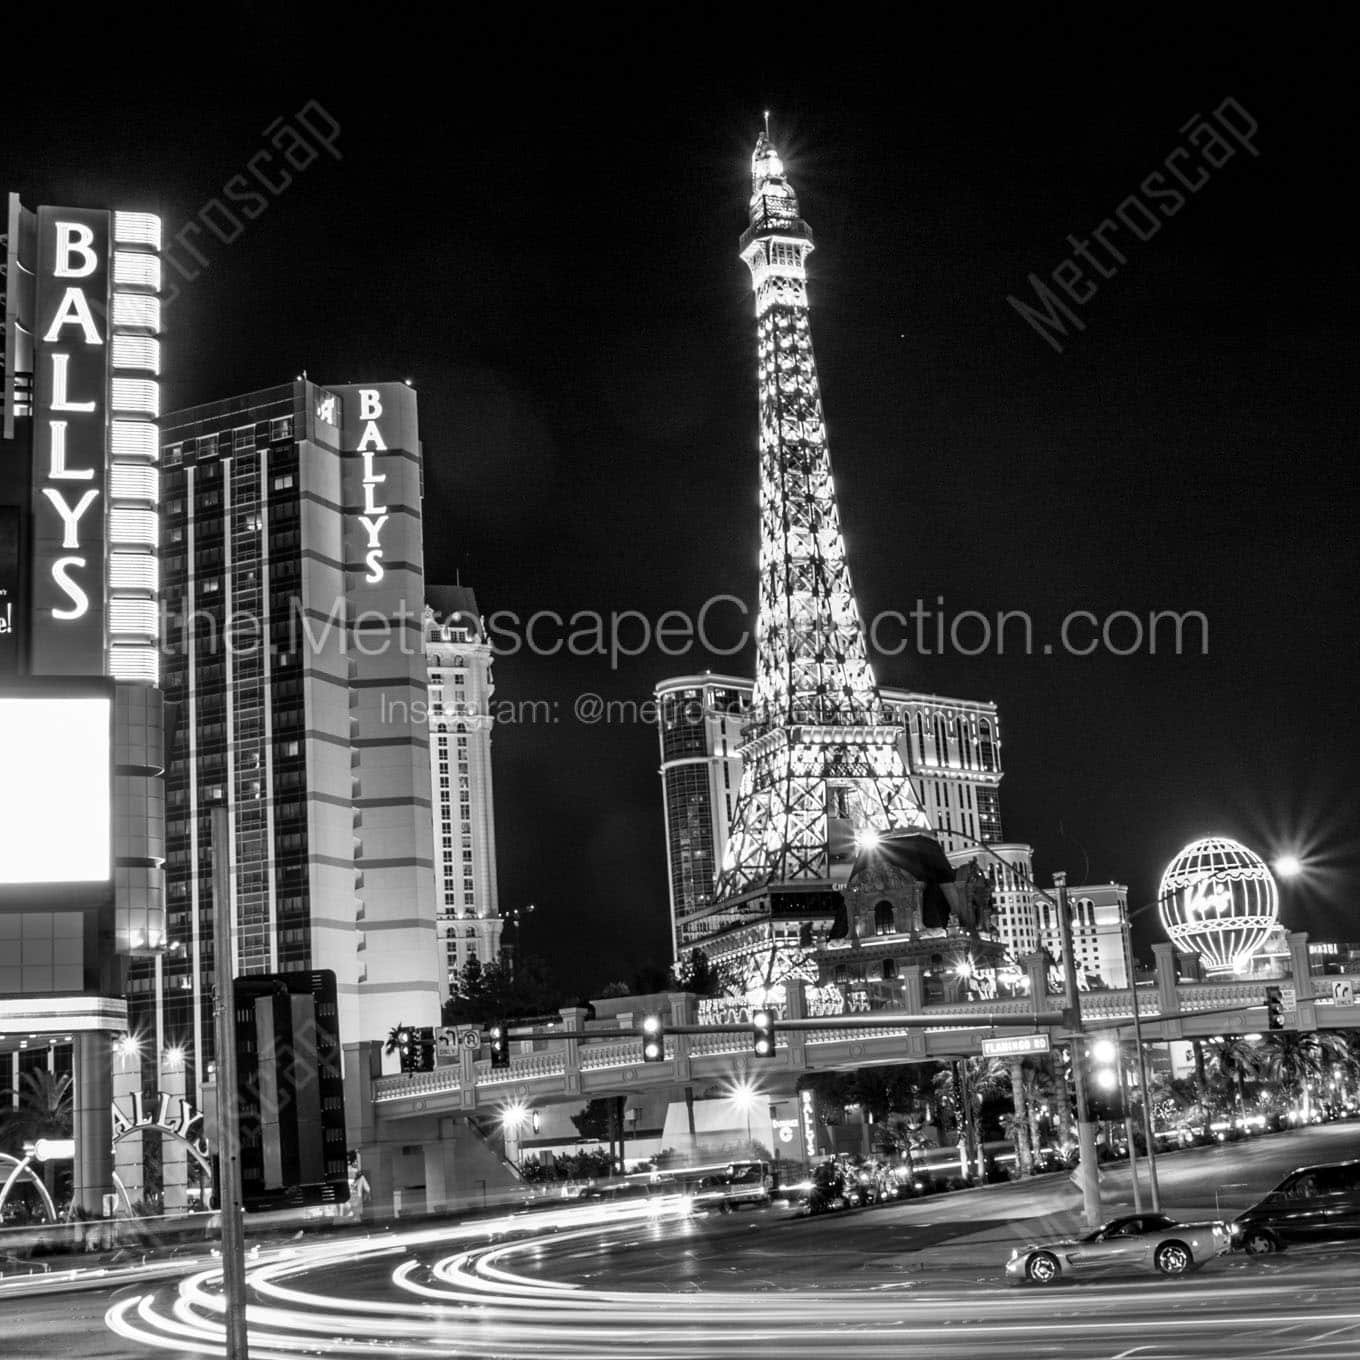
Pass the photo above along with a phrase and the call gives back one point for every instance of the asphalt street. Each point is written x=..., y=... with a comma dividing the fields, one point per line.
x=916, y=1279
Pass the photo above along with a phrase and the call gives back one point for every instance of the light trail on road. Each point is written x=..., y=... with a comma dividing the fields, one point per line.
x=456, y=1291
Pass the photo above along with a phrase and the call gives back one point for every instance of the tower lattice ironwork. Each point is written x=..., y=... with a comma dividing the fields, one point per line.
x=820, y=763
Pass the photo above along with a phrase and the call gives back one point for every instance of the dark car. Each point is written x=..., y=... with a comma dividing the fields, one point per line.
x=1312, y=1204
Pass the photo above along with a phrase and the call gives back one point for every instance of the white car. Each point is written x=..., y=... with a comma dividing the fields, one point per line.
x=1133, y=1242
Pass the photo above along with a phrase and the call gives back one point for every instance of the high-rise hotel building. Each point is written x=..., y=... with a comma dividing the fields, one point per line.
x=953, y=755
x=293, y=588
x=458, y=659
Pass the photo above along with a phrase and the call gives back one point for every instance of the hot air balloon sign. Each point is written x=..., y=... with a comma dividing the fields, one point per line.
x=1218, y=900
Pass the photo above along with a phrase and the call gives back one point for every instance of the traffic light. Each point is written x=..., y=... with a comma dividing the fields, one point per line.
x=1104, y=1090
x=762, y=1023
x=1274, y=1008
x=424, y=1047
x=499, y=1037
x=653, y=1039
x=406, y=1049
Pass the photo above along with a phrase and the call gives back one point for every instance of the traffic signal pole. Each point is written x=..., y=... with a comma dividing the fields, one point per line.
x=1087, y=1170
x=1128, y=1132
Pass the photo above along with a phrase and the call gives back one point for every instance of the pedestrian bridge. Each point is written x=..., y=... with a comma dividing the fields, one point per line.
x=593, y=1061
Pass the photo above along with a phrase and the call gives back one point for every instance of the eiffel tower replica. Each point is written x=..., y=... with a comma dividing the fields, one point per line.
x=824, y=778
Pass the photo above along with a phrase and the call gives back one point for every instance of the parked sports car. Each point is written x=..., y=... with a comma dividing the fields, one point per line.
x=1133, y=1242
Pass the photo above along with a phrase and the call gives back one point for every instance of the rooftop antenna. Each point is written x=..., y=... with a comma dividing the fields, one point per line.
x=767, y=123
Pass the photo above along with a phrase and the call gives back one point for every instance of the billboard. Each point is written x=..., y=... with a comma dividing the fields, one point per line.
x=55, y=751
x=290, y=1090
x=70, y=420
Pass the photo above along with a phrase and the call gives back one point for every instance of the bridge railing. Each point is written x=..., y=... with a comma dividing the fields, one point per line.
x=559, y=1066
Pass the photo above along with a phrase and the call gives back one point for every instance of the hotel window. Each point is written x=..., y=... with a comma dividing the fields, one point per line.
x=281, y=428
x=243, y=439
x=283, y=482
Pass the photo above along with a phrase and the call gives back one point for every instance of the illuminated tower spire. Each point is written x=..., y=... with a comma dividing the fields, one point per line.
x=820, y=764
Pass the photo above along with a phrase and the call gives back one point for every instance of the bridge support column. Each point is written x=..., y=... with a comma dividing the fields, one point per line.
x=1302, y=970
x=1168, y=1001
x=913, y=1002
x=1036, y=969
x=573, y=1018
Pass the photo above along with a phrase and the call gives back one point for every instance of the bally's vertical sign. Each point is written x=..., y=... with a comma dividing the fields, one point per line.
x=373, y=514
x=70, y=418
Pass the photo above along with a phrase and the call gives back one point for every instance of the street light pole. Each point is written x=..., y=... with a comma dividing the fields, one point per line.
x=1128, y=1132
x=1086, y=1137
x=1153, y=1188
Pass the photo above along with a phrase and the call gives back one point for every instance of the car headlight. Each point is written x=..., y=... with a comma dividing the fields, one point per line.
x=1015, y=1253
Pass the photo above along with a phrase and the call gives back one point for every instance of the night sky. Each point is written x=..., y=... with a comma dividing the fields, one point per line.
x=539, y=226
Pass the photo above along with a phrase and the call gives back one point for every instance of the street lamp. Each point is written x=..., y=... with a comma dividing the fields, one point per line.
x=1287, y=866
x=513, y=1118
x=743, y=1095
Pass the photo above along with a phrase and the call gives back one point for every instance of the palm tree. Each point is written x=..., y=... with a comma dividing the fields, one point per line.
x=1237, y=1061
x=43, y=1110
x=1295, y=1061
x=1038, y=1089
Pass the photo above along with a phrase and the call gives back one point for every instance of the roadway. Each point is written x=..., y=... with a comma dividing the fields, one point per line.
x=922, y=1278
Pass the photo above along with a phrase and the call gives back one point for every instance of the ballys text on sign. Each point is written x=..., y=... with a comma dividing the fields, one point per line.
x=70, y=421
x=374, y=514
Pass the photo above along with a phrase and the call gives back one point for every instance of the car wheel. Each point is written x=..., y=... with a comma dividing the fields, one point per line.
x=1259, y=1243
x=1042, y=1267
x=1173, y=1258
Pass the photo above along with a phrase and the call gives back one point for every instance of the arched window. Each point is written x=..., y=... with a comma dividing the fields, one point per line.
x=885, y=921
x=961, y=736
x=458, y=663
x=941, y=741
x=986, y=748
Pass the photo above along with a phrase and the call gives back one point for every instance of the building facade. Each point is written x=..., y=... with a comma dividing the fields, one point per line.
x=81, y=714
x=461, y=683
x=952, y=749
x=1099, y=911
x=293, y=591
